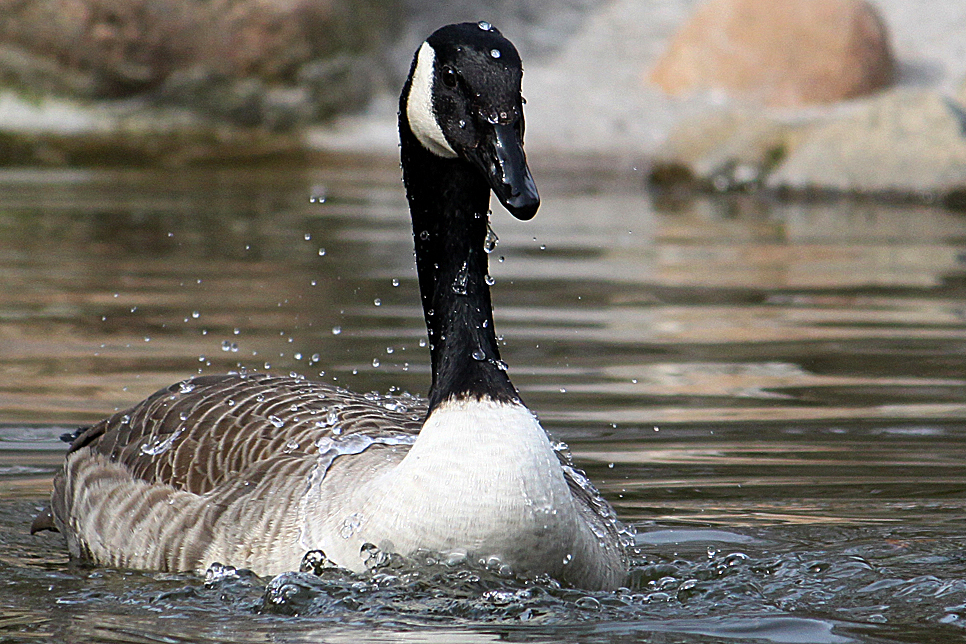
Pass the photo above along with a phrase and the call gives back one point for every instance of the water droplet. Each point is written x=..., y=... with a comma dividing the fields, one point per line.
x=489, y=244
x=185, y=387
x=377, y=302
x=316, y=357
x=395, y=282
x=308, y=236
x=321, y=252
x=217, y=572
x=315, y=562
x=479, y=354
x=588, y=603
x=275, y=420
x=350, y=524
x=459, y=284
x=424, y=235
x=297, y=356
x=422, y=342
x=195, y=314
x=495, y=53
x=389, y=350
x=375, y=362
x=372, y=557
x=290, y=446
x=490, y=281
x=336, y=330
x=161, y=446
x=484, y=25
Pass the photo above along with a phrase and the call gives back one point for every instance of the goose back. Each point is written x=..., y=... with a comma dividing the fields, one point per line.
x=210, y=465
x=197, y=434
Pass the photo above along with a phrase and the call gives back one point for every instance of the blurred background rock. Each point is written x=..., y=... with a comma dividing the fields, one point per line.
x=795, y=97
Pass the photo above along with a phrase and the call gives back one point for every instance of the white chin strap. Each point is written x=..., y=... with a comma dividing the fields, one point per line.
x=419, y=106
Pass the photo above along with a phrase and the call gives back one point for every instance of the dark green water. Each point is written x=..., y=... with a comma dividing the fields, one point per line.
x=774, y=395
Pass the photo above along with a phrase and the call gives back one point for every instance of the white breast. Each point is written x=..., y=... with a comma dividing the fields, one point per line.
x=481, y=479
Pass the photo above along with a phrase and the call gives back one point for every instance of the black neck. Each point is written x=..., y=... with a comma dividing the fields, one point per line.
x=449, y=202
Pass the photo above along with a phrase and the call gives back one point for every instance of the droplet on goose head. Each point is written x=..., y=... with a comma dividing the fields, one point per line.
x=484, y=25
x=495, y=53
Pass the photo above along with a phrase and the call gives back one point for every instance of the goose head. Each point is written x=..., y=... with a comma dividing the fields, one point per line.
x=462, y=102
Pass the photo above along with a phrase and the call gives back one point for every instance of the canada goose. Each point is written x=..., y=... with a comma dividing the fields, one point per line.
x=253, y=470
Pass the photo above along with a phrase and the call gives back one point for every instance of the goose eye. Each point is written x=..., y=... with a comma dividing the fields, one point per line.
x=449, y=77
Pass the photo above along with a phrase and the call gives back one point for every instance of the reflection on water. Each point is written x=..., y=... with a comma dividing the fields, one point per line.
x=775, y=394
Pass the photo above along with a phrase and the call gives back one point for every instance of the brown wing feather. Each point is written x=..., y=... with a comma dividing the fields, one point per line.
x=201, y=433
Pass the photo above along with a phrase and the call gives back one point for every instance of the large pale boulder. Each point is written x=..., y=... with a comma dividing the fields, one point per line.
x=723, y=151
x=905, y=142
x=786, y=53
x=908, y=144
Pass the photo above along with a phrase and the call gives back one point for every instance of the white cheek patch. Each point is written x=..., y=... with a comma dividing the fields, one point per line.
x=419, y=106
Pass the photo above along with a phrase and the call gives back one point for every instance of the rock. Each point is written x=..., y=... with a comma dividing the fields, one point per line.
x=903, y=143
x=786, y=53
x=271, y=63
x=118, y=47
x=338, y=81
x=906, y=143
x=722, y=151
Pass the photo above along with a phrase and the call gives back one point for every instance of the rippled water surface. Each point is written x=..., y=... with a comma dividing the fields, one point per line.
x=775, y=395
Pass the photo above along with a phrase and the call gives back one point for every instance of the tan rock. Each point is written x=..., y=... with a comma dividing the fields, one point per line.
x=904, y=142
x=119, y=48
x=786, y=53
x=123, y=46
x=723, y=151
